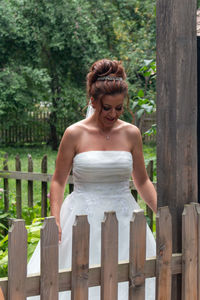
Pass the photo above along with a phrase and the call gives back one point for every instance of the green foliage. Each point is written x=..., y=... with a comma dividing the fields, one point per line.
x=46, y=50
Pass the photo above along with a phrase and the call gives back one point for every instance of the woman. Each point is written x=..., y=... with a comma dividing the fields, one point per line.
x=104, y=152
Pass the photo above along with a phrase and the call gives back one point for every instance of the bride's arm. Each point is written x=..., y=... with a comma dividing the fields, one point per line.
x=140, y=177
x=64, y=160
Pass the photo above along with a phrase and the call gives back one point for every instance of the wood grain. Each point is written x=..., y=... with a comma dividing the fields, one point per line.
x=164, y=254
x=109, y=257
x=137, y=256
x=80, y=259
x=49, y=260
x=189, y=252
x=17, y=261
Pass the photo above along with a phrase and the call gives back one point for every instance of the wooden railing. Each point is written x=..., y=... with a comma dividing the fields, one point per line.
x=80, y=276
x=44, y=178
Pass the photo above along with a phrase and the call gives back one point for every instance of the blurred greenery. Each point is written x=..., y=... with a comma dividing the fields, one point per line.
x=46, y=51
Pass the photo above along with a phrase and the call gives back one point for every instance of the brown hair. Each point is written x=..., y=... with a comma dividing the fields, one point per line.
x=105, y=67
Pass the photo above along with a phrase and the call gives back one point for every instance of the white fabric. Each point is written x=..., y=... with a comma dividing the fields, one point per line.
x=90, y=111
x=101, y=183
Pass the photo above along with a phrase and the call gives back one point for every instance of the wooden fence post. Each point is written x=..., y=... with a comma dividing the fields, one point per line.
x=30, y=182
x=80, y=259
x=6, y=184
x=44, y=188
x=189, y=252
x=109, y=257
x=49, y=260
x=149, y=211
x=17, y=261
x=137, y=256
x=18, y=188
x=164, y=254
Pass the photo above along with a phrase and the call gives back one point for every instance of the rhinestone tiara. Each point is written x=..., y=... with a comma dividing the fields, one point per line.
x=109, y=78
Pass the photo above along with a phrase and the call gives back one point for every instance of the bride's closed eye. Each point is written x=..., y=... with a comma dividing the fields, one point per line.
x=106, y=108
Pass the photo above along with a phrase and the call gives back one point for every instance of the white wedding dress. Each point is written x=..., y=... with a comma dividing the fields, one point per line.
x=101, y=183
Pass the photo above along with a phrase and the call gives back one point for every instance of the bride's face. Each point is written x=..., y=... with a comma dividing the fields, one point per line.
x=109, y=109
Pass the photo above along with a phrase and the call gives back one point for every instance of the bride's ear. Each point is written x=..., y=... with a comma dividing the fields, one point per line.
x=93, y=102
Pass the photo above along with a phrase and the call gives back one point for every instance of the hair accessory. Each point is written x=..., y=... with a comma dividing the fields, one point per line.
x=109, y=78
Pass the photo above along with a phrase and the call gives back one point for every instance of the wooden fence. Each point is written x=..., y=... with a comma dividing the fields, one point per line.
x=44, y=178
x=36, y=129
x=47, y=284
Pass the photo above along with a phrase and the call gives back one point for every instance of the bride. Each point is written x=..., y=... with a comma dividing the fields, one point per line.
x=103, y=152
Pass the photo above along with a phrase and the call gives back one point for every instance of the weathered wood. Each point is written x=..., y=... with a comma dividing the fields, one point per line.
x=176, y=112
x=198, y=251
x=17, y=261
x=189, y=252
x=148, y=209
x=80, y=259
x=109, y=257
x=44, y=188
x=18, y=188
x=5, y=183
x=30, y=182
x=137, y=256
x=49, y=260
x=33, y=281
x=164, y=254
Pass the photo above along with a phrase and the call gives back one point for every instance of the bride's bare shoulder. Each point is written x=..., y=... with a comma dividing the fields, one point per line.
x=130, y=129
x=75, y=130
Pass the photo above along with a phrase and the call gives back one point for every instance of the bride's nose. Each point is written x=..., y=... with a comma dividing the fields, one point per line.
x=113, y=113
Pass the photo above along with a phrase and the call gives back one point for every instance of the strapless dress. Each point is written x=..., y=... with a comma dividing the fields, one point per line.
x=101, y=183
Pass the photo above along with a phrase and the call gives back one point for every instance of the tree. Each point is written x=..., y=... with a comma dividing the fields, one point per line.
x=47, y=49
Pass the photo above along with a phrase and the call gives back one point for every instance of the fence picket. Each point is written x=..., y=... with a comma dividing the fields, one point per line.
x=148, y=209
x=6, y=184
x=109, y=257
x=137, y=256
x=18, y=188
x=189, y=252
x=164, y=254
x=30, y=182
x=80, y=258
x=44, y=188
x=17, y=261
x=49, y=260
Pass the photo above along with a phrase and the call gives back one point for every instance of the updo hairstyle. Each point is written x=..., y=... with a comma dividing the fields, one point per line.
x=99, y=88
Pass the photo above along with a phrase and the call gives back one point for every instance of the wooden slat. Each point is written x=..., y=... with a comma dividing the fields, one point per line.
x=80, y=259
x=5, y=183
x=17, y=261
x=137, y=256
x=44, y=188
x=189, y=253
x=49, y=260
x=164, y=254
x=109, y=257
x=148, y=209
x=33, y=281
x=18, y=188
x=30, y=182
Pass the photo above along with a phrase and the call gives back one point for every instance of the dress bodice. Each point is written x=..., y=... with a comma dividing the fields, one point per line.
x=102, y=166
x=102, y=171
